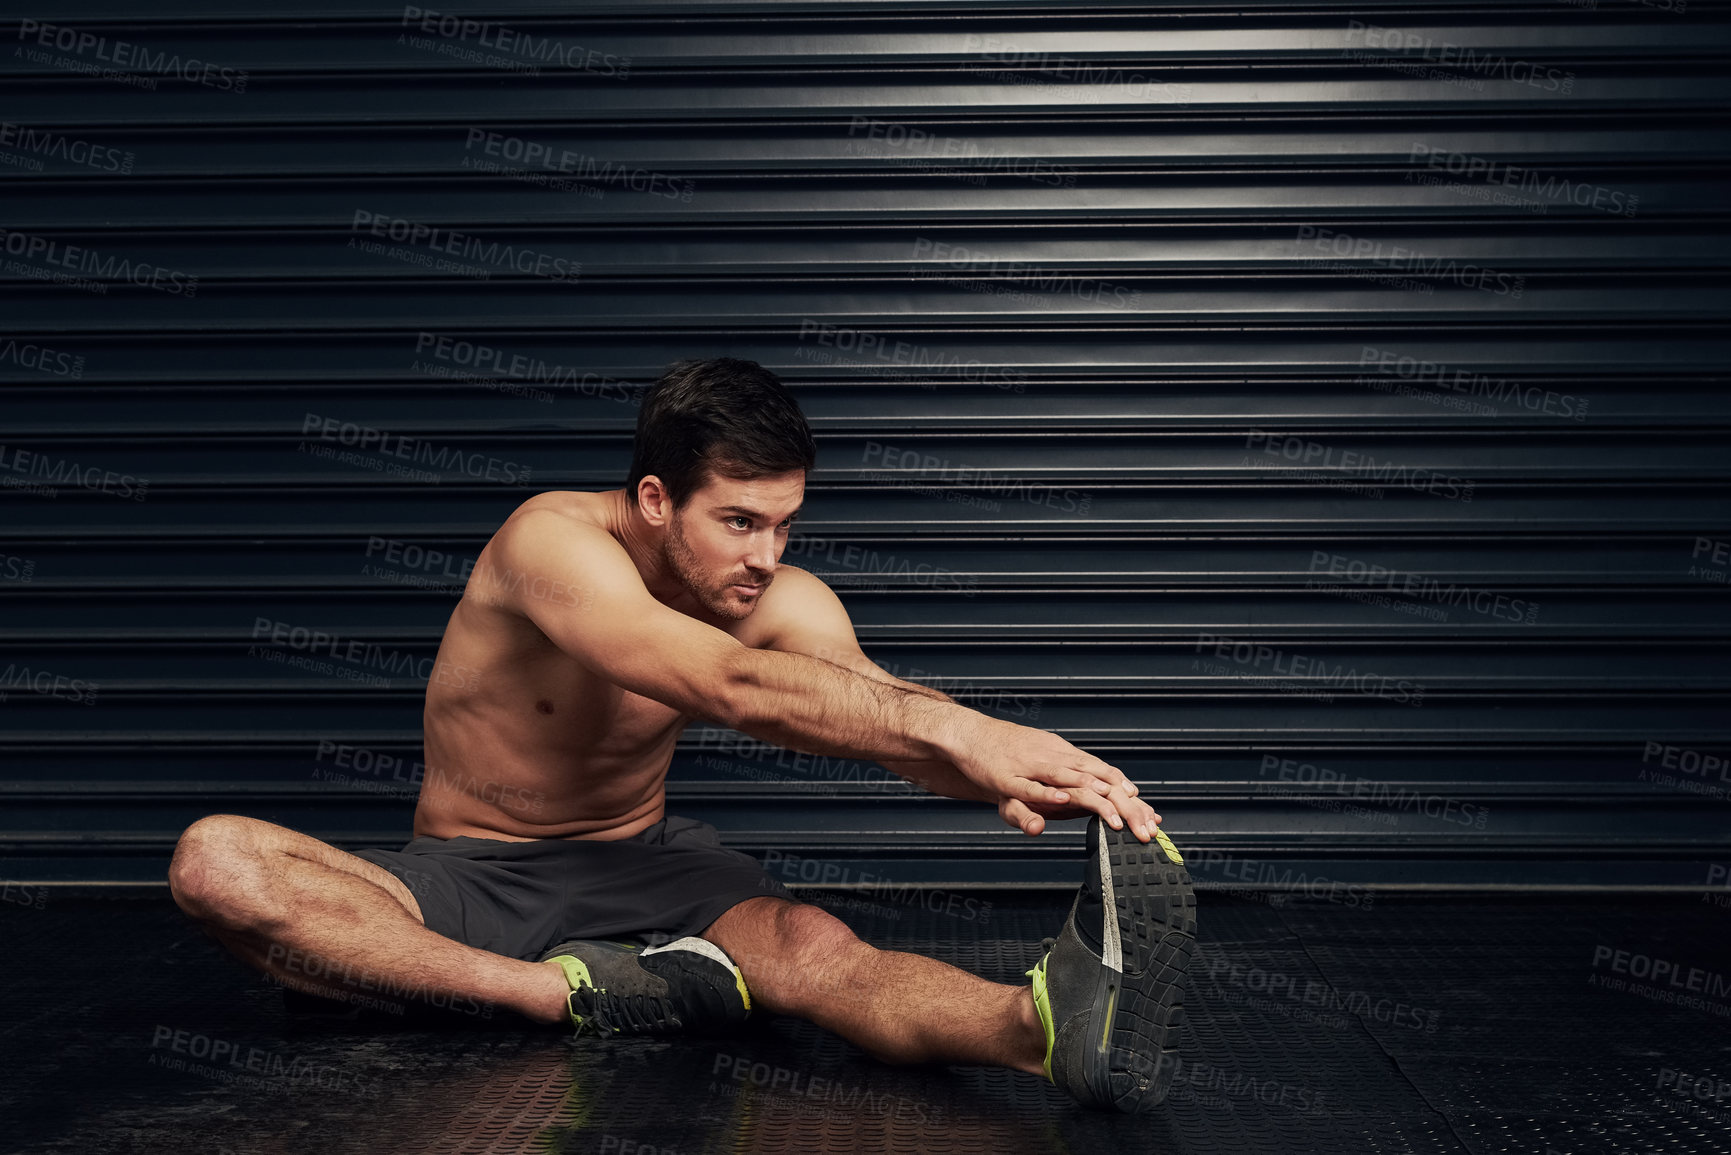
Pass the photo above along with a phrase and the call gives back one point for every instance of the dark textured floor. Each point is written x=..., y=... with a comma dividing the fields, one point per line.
x=1417, y=1025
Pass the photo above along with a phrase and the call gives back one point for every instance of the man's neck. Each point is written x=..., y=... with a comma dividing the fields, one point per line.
x=642, y=544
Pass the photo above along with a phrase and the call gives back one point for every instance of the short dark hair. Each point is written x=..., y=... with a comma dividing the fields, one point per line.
x=722, y=415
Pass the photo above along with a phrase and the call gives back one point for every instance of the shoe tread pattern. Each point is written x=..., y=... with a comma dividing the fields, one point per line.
x=1156, y=910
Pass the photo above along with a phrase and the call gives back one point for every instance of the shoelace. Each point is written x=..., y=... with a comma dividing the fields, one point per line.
x=611, y=1013
x=1046, y=945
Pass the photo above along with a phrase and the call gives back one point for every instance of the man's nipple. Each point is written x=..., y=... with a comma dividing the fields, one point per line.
x=544, y=706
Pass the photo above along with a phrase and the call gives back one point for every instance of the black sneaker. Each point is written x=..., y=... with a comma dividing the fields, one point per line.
x=686, y=986
x=1110, y=991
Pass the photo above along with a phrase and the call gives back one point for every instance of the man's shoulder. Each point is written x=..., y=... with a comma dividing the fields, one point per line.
x=793, y=597
x=556, y=514
x=797, y=584
x=540, y=541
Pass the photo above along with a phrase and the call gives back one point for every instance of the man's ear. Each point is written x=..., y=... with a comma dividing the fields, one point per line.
x=653, y=501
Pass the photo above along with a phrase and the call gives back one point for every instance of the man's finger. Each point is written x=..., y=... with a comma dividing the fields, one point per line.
x=1034, y=790
x=1105, y=772
x=1134, y=812
x=1063, y=777
x=1099, y=804
x=1017, y=814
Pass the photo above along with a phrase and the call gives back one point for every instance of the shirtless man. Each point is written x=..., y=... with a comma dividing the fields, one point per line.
x=594, y=627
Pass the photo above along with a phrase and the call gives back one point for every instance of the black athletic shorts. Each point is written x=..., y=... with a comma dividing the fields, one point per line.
x=519, y=898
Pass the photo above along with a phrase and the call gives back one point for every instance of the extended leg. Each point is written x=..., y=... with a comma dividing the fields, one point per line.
x=331, y=924
x=902, y=1008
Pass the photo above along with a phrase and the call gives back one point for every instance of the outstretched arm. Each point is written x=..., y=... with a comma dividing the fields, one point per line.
x=581, y=589
x=812, y=620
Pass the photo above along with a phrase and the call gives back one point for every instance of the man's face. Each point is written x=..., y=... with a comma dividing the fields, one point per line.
x=725, y=541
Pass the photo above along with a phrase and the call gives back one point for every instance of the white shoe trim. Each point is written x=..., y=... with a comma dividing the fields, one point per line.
x=701, y=946
x=1114, y=947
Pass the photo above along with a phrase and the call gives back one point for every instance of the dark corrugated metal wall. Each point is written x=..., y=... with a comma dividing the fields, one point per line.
x=1317, y=410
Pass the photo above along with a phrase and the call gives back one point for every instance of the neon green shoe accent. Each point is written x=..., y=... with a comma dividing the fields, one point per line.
x=1043, y=1004
x=577, y=976
x=1166, y=845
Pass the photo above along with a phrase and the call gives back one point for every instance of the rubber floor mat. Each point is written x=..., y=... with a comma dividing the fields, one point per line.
x=1441, y=1024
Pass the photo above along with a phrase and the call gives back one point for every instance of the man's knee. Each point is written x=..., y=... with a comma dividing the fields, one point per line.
x=216, y=865
x=807, y=955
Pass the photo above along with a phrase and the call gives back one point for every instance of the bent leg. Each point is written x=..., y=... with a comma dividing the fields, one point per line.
x=331, y=924
x=799, y=959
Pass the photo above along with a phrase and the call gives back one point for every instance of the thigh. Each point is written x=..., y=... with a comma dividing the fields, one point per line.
x=219, y=838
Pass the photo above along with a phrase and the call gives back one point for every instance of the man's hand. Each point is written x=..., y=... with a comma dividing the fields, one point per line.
x=1034, y=775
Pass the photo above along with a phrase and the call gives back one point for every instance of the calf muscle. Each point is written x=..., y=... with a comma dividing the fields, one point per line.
x=902, y=1008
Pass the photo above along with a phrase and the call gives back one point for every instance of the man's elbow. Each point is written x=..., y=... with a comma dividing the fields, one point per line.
x=734, y=691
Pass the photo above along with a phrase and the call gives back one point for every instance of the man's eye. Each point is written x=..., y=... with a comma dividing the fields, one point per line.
x=744, y=519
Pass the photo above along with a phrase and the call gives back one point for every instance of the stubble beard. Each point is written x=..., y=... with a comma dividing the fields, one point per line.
x=683, y=559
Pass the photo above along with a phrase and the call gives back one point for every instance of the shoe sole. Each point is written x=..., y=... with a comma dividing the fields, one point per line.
x=1151, y=938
